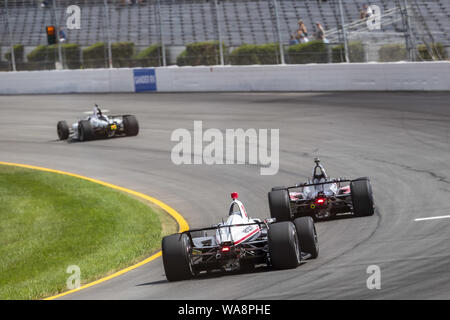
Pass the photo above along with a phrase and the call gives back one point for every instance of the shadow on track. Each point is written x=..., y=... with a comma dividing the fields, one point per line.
x=221, y=274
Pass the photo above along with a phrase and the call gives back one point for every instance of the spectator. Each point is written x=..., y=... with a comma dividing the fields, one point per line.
x=365, y=12
x=320, y=34
x=293, y=40
x=302, y=28
x=44, y=3
x=302, y=38
x=62, y=35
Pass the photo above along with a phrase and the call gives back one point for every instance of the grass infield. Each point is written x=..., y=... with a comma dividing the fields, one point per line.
x=50, y=221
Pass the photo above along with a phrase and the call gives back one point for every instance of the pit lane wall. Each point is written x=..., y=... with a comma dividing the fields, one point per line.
x=402, y=76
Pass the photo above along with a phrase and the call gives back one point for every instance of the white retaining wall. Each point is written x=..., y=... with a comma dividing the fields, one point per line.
x=67, y=81
x=428, y=76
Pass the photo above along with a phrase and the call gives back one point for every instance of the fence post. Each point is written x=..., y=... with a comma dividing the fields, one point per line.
x=329, y=53
x=277, y=18
x=161, y=37
x=108, y=27
x=408, y=34
x=11, y=44
x=219, y=32
x=344, y=33
x=57, y=35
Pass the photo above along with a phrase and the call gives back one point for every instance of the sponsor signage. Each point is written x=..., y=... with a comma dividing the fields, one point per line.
x=144, y=80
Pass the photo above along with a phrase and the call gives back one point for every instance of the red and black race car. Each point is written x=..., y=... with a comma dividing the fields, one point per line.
x=322, y=197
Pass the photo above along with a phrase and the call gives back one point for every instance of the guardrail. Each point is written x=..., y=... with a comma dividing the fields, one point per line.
x=399, y=76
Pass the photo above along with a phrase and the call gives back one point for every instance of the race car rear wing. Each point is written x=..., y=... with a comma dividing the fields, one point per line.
x=302, y=185
x=264, y=223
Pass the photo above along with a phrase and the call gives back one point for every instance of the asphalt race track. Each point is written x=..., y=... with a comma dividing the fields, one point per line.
x=400, y=140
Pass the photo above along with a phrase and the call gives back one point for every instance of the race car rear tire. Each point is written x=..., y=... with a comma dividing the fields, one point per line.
x=131, y=125
x=85, y=131
x=284, y=249
x=307, y=236
x=177, y=257
x=362, y=198
x=279, y=205
x=62, y=128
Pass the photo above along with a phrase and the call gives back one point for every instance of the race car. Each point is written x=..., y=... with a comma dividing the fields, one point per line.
x=321, y=197
x=98, y=125
x=240, y=243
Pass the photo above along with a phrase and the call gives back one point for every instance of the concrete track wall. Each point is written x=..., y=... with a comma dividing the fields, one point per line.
x=421, y=76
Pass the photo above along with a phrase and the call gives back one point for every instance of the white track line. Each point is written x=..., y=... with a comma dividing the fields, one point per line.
x=431, y=218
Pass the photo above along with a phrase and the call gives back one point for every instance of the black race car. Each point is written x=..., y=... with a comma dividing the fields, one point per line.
x=98, y=125
x=322, y=197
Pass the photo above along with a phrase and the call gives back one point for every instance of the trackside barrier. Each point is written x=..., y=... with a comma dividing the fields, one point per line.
x=67, y=81
x=399, y=76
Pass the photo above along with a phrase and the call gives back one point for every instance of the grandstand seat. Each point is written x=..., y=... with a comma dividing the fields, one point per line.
x=185, y=21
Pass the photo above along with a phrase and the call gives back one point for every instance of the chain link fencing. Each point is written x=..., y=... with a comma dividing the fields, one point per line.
x=152, y=33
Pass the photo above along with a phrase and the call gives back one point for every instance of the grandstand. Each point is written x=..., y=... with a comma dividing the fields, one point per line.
x=178, y=22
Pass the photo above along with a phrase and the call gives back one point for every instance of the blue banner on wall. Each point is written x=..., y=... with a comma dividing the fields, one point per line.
x=144, y=80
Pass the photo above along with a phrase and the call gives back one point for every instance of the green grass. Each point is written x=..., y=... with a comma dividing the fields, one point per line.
x=49, y=221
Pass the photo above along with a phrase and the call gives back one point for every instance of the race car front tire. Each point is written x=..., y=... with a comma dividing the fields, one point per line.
x=284, y=249
x=130, y=125
x=362, y=197
x=62, y=129
x=176, y=254
x=85, y=131
x=307, y=236
x=279, y=205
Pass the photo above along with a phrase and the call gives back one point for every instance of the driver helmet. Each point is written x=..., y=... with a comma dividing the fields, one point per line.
x=97, y=110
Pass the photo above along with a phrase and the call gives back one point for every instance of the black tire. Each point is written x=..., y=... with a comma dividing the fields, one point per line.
x=279, y=205
x=307, y=236
x=177, y=257
x=362, y=198
x=62, y=128
x=85, y=131
x=130, y=125
x=284, y=249
x=278, y=188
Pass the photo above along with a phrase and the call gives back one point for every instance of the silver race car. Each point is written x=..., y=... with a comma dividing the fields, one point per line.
x=322, y=197
x=98, y=125
x=238, y=243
